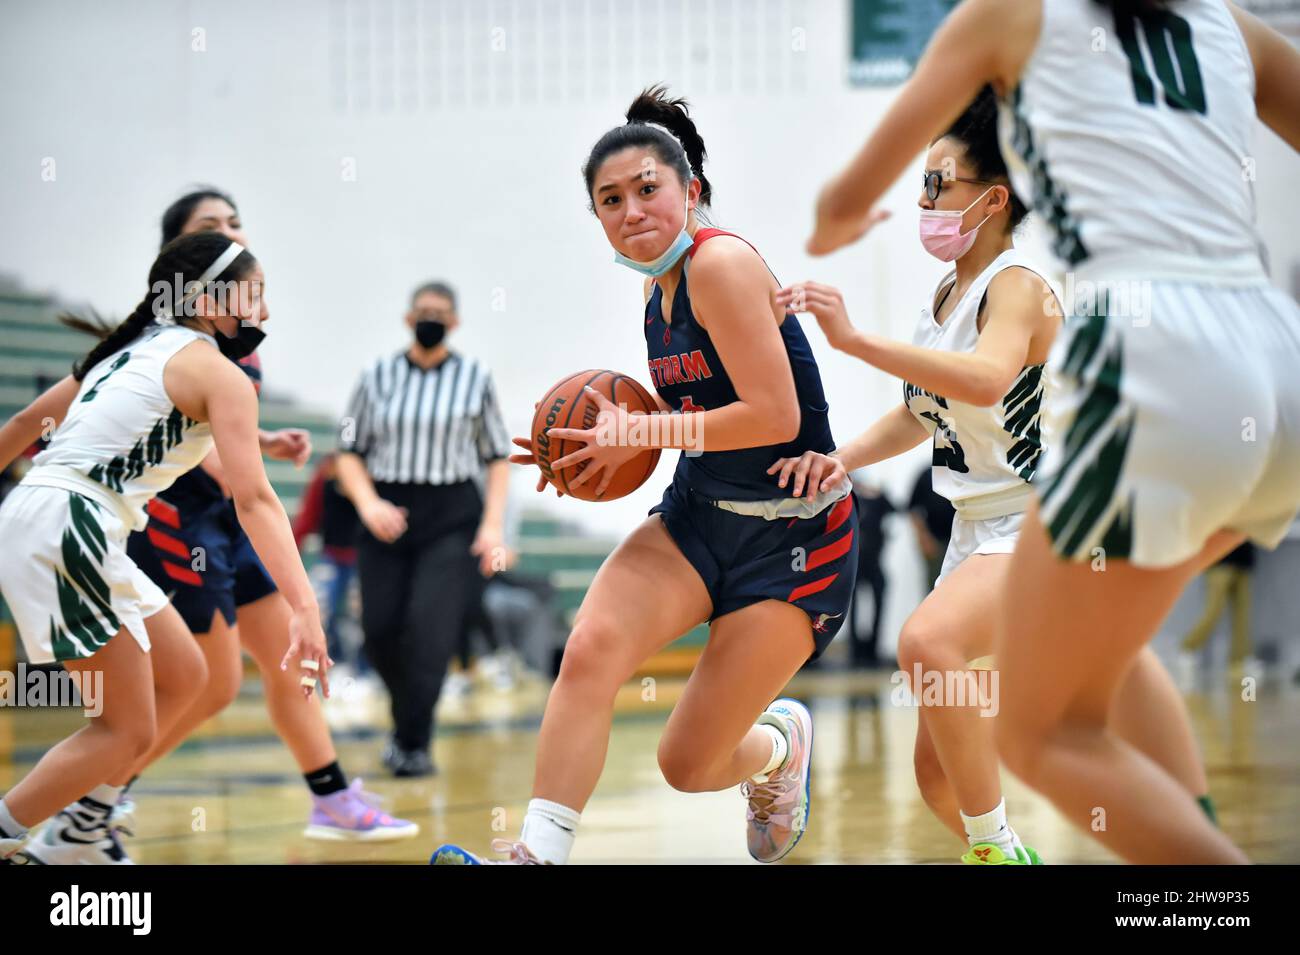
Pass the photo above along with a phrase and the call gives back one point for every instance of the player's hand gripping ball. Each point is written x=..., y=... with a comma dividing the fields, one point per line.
x=575, y=433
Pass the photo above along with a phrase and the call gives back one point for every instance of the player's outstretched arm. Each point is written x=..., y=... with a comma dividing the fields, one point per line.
x=981, y=41
x=1020, y=305
x=205, y=385
x=895, y=432
x=40, y=417
x=1277, y=75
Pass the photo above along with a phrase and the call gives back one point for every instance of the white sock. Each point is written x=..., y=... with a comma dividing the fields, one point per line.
x=91, y=811
x=10, y=827
x=780, y=750
x=991, y=827
x=106, y=794
x=549, y=830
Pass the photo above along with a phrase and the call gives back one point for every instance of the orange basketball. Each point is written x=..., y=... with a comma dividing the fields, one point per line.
x=566, y=406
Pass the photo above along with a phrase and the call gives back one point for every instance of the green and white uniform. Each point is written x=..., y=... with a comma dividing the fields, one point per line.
x=1177, y=405
x=64, y=571
x=984, y=457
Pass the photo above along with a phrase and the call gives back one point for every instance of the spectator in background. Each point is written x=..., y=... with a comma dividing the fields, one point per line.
x=327, y=512
x=422, y=427
x=1227, y=586
x=524, y=611
x=873, y=508
x=517, y=620
x=932, y=516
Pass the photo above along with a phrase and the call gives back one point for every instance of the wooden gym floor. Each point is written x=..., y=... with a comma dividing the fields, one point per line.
x=233, y=795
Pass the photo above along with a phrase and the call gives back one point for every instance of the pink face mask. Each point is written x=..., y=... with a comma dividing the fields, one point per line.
x=941, y=232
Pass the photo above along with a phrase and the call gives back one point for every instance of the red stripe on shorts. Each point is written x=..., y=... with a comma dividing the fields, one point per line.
x=839, y=513
x=183, y=574
x=804, y=590
x=168, y=543
x=824, y=555
x=164, y=512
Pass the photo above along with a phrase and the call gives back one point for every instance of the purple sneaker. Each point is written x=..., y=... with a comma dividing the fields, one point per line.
x=778, y=809
x=353, y=815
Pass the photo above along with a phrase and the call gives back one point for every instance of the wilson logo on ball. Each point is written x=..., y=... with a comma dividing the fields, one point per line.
x=567, y=406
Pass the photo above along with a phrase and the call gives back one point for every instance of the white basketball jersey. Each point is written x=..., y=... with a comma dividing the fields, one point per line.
x=122, y=431
x=979, y=451
x=1132, y=138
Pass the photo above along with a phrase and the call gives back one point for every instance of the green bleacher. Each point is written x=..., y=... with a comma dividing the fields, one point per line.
x=33, y=344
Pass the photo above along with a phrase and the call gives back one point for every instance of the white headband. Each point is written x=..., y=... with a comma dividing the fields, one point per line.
x=219, y=265
x=641, y=122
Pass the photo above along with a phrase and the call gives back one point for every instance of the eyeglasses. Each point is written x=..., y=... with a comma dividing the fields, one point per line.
x=934, y=180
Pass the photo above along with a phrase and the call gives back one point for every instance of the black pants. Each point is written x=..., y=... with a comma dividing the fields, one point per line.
x=415, y=594
x=864, y=648
x=477, y=621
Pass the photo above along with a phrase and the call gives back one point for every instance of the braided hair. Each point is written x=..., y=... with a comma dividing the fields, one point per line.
x=180, y=263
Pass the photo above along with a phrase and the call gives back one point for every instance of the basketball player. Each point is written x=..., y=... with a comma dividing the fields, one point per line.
x=975, y=382
x=193, y=516
x=147, y=403
x=1129, y=124
x=722, y=545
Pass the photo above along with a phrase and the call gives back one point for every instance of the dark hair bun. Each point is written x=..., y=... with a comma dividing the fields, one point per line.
x=977, y=130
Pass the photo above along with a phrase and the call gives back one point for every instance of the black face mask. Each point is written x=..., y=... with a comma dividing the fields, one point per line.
x=430, y=333
x=243, y=344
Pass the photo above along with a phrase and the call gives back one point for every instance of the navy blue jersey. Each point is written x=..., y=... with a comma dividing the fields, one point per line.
x=689, y=376
x=196, y=488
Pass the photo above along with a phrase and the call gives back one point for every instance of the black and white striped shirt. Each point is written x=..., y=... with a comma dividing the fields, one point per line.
x=425, y=426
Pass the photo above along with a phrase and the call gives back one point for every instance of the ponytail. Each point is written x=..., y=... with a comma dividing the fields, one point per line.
x=92, y=323
x=663, y=125
x=111, y=340
x=181, y=263
x=655, y=106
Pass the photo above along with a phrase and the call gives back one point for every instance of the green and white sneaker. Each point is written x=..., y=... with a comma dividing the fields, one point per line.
x=986, y=853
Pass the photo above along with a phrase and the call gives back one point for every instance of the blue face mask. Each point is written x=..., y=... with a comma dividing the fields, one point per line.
x=668, y=259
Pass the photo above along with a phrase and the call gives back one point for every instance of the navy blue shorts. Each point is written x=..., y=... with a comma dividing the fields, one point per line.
x=809, y=562
x=201, y=558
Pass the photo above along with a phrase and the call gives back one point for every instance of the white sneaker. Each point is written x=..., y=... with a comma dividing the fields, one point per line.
x=351, y=700
x=368, y=687
x=342, y=679
x=1254, y=666
x=339, y=714
x=503, y=670
x=457, y=685
x=61, y=842
x=11, y=851
x=122, y=818
x=1187, y=667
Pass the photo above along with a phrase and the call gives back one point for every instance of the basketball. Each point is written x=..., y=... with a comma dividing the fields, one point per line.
x=566, y=406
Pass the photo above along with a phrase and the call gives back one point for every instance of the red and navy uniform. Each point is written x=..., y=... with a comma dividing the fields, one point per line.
x=195, y=550
x=809, y=562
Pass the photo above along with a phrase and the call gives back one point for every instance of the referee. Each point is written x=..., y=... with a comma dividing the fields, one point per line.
x=423, y=453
